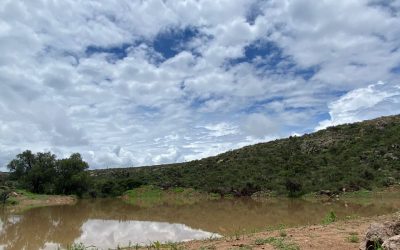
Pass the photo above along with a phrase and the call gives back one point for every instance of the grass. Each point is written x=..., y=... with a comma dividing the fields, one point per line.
x=329, y=218
x=210, y=247
x=238, y=234
x=147, y=196
x=156, y=245
x=358, y=194
x=31, y=196
x=277, y=243
x=80, y=246
x=24, y=200
x=25, y=195
x=353, y=238
x=274, y=228
x=366, y=197
x=351, y=217
x=282, y=233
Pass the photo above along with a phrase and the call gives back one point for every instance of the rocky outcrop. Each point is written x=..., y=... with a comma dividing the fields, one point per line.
x=393, y=243
x=385, y=234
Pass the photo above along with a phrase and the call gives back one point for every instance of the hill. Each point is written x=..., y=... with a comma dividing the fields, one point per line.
x=351, y=156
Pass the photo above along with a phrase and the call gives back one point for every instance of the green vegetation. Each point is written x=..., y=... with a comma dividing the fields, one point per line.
x=351, y=157
x=242, y=247
x=31, y=195
x=26, y=195
x=329, y=218
x=377, y=246
x=156, y=245
x=145, y=195
x=42, y=173
x=277, y=243
x=353, y=238
x=79, y=246
x=348, y=157
x=4, y=195
x=210, y=247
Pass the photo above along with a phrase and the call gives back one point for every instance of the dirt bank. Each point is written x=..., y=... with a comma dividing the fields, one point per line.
x=22, y=200
x=340, y=235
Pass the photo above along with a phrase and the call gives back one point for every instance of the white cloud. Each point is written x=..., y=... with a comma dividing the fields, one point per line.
x=221, y=129
x=58, y=95
x=259, y=125
x=364, y=103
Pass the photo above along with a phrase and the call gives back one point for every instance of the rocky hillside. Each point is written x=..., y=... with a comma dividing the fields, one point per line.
x=351, y=156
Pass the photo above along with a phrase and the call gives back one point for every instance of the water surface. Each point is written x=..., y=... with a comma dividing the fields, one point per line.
x=107, y=223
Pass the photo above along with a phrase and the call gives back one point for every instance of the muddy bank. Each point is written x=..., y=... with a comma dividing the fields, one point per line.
x=22, y=200
x=339, y=235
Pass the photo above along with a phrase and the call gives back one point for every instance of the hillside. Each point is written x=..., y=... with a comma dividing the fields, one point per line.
x=351, y=156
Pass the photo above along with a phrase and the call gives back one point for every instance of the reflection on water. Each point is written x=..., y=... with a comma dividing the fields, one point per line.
x=109, y=222
x=110, y=233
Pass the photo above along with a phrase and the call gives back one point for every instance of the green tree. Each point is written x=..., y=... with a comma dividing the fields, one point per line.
x=34, y=172
x=40, y=178
x=71, y=175
x=22, y=164
x=43, y=173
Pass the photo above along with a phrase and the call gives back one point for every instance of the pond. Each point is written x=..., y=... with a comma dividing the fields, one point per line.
x=107, y=223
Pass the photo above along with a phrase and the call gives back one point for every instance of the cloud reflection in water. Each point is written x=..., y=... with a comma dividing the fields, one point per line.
x=110, y=233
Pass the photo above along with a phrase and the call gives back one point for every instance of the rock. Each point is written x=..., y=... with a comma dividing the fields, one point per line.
x=377, y=233
x=393, y=243
x=14, y=194
x=325, y=192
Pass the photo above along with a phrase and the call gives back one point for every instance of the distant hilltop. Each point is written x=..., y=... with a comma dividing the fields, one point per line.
x=361, y=155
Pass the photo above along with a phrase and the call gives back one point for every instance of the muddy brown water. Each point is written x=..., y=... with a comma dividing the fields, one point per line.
x=107, y=223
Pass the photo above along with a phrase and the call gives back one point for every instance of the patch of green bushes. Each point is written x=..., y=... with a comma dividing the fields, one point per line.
x=351, y=157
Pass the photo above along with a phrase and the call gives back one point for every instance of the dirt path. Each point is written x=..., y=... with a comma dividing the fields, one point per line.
x=340, y=235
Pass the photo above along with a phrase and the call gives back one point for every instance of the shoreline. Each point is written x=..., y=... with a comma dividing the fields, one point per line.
x=22, y=200
x=339, y=235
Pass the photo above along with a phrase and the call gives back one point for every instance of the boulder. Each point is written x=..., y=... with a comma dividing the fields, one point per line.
x=378, y=233
x=326, y=192
x=14, y=194
x=393, y=243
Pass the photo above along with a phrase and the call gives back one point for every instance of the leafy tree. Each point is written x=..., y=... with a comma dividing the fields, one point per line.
x=40, y=178
x=71, y=175
x=34, y=172
x=43, y=173
x=22, y=164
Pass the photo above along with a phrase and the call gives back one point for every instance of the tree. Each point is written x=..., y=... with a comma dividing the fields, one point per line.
x=43, y=173
x=40, y=178
x=71, y=175
x=34, y=172
x=22, y=164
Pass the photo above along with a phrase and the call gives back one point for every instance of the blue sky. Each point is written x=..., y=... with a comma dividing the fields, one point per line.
x=131, y=83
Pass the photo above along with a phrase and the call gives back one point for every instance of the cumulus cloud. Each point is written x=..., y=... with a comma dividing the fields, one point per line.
x=364, y=103
x=130, y=83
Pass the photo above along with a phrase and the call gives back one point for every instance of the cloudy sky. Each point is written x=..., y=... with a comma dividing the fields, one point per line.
x=130, y=83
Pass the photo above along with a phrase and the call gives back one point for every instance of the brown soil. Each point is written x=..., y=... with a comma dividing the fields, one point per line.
x=24, y=202
x=334, y=236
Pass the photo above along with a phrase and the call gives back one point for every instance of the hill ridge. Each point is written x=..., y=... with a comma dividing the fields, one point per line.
x=356, y=155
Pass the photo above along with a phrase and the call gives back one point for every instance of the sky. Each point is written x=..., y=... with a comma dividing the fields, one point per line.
x=132, y=83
